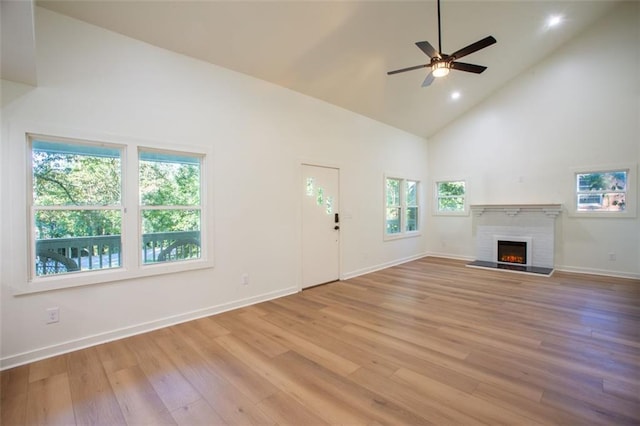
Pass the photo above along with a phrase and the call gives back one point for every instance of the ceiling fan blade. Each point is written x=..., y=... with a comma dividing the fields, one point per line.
x=408, y=69
x=461, y=66
x=428, y=49
x=427, y=81
x=474, y=47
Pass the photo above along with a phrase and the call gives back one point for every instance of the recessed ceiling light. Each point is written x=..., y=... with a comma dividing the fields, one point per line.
x=455, y=95
x=554, y=21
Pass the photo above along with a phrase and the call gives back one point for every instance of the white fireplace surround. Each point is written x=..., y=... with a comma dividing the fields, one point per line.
x=528, y=240
x=531, y=223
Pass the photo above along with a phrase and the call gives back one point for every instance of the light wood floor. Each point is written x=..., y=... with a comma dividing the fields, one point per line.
x=428, y=342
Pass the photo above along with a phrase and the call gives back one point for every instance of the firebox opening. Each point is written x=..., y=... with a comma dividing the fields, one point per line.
x=512, y=252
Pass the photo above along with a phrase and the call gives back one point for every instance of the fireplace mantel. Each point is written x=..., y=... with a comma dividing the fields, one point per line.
x=551, y=210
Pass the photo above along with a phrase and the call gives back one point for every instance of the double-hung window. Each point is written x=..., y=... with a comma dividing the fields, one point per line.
x=605, y=191
x=602, y=191
x=170, y=207
x=77, y=208
x=450, y=197
x=402, y=210
x=84, y=216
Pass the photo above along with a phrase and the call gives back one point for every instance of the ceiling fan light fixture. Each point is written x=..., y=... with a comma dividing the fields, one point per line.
x=554, y=21
x=440, y=69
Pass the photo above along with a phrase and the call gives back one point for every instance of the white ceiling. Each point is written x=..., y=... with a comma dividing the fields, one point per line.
x=340, y=51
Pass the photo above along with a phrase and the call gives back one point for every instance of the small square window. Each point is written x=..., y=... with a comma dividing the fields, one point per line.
x=451, y=197
x=604, y=192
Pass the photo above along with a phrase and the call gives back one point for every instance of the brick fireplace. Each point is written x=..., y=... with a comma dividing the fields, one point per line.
x=517, y=237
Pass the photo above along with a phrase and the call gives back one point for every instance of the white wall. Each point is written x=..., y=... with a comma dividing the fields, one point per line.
x=578, y=108
x=101, y=83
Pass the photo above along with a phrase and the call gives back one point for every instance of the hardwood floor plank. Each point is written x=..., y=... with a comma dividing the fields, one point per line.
x=287, y=411
x=47, y=367
x=361, y=402
x=139, y=402
x=319, y=401
x=94, y=402
x=116, y=356
x=431, y=411
x=589, y=412
x=267, y=345
x=324, y=357
x=338, y=342
x=13, y=395
x=623, y=388
x=232, y=405
x=49, y=402
x=197, y=413
x=475, y=407
x=426, y=342
x=231, y=369
x=540, y=413
x=173, y=388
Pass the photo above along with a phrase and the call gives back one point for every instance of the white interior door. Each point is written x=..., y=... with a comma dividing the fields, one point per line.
x=320, y=225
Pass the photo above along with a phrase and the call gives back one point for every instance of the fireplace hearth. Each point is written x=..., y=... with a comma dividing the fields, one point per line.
x=511, y=267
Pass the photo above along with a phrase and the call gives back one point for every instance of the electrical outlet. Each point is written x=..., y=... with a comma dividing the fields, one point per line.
x=244, y=279
x=53, y=315
x=612, y=256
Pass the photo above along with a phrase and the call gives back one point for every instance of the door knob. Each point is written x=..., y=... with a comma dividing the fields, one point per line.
x=336, y=227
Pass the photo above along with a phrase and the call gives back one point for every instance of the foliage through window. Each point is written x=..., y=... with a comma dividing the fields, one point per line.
x=602, y=191
x=169, y=206
x=78, y=212
x=77, y=208
x=401, y=195
x=450, y=196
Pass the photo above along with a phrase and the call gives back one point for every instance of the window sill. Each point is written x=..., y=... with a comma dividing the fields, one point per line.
x=602, y=215
x=81, y=279
x=393, y=237
x=462, y=213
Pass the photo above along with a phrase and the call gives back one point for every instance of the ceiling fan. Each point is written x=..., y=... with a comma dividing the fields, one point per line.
x=441, y=63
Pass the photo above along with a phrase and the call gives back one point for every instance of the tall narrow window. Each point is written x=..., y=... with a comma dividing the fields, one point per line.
x=170, y=206
x=401, y=207
x=393, y=212
x=451, y=196
x=411, y=191
x=76, y=206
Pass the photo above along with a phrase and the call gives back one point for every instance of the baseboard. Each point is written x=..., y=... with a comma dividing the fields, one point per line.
x=603, y=272
x=381, y=266
x=451, y=256
x=96, y=339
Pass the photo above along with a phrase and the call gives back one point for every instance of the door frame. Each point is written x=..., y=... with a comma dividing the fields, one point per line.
x=300, y=197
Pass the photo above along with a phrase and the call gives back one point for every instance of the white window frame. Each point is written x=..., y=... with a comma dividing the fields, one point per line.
x=436, y=198
x=630, y=210
x=132, y=265
x=403, y=208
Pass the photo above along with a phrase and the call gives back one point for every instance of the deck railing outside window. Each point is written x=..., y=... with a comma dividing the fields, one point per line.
x=62, y=255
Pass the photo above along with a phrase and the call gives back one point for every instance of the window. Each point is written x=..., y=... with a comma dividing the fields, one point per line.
x=607, y=191
x=169, y=206
x=401, y=207
x=77, y=207
x=450, y=197
x=81, y=222
x=602, y=191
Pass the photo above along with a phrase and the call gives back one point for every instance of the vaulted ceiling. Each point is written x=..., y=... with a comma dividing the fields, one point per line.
x=340, y=51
